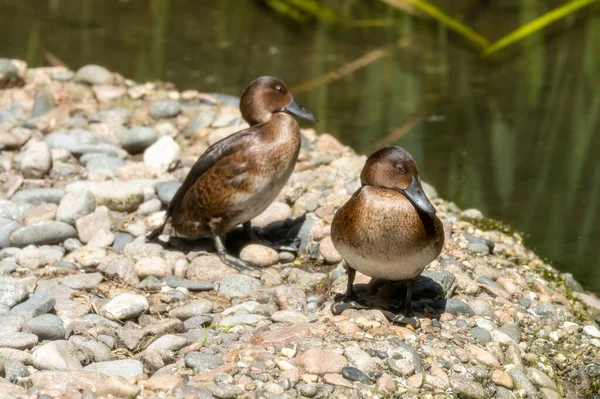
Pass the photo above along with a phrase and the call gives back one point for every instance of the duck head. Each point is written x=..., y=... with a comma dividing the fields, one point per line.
x=394, y=168
x=266, y=96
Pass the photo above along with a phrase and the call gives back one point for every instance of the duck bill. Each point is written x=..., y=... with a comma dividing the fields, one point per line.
x=417, y=196
x=298, y=110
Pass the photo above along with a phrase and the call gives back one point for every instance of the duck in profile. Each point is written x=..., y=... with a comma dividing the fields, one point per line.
x=388, y=229
x=238, y=177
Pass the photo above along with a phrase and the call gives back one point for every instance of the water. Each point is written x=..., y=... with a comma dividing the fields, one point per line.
x=516, y=135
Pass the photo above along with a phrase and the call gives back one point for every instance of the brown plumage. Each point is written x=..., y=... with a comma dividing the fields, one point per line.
x=388, y=229
x=238, y=177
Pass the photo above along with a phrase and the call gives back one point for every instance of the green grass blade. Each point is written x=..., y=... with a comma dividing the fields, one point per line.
x=436, y=13
x=537, y=24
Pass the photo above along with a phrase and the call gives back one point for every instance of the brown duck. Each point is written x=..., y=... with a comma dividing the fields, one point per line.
x=238, y=177
x=388, y=229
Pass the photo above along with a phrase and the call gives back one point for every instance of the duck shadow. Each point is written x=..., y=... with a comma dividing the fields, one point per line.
x=428, y=299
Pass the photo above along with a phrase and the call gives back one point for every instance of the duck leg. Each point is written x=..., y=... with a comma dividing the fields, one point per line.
x=349, y=300
x=251, y=236
x=232, y=261
x=401, y=314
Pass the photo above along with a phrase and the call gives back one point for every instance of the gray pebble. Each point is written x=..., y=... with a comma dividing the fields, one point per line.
x=434, y=283
x=200, y=121
x=482, y=335
x=166, y=191
x=14, y=371
x=522, y=382
x=13, y=210
x=74, y=205
x=43, y=103
x=572, y=284
x=164, y=109
x=46, y=326
x=190, y=285
x=127, y=368
x=466, y=388
x=137, y=139
x=512, y=330
x=121, y=239
x=202, y=361
x=7, y=266
x=36, y=160
x=94, y=75
x=106, y=164
x=18, y=340
x=456, y=306
x=41, y=233
x=238, y=285
x=82, y=281
x=226, y=391
x=7, y=226
x=39, y=303
x=37, y=196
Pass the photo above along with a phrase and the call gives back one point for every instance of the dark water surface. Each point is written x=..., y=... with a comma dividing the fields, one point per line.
x=516, y=135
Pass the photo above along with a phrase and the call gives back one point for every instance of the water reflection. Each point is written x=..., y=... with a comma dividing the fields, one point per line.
x=515, y=136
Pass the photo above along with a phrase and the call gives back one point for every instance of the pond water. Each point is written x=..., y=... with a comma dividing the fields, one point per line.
x=516, y=135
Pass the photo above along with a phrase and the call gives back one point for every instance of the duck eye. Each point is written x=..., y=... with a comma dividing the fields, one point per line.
x=400, y=169
x=279, y=89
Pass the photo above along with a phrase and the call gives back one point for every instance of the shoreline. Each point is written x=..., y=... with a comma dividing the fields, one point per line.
x=91, y=159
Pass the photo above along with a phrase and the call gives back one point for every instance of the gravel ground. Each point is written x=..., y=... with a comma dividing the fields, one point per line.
x=88, y=309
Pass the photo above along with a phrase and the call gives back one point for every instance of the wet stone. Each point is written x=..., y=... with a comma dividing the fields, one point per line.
x=354, y=374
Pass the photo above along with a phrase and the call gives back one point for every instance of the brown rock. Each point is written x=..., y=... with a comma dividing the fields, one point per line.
x=259, y=255
x=415, y=381
x=153, y=266
x=328, y=251
x=386, y=383
x=279, y=337
x=161, y=383
x=337, y=379
x=501, y=378
x=276, y=212
x=209, y=268
x=483, y=356
x=322, y=361
x=40, y=213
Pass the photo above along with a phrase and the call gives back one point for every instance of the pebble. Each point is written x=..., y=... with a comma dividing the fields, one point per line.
x=194, y=308
x=44, y=103
x=540, y=379
x=46, y=327
x=41, y=213
x=56, y=355
x=163, y=155
x=328, y=251
x=164, y=109
x=124, y=306
x=7, y=226
x=94, y=75
x=87, y=226
x=466, y=388
x=38, y=196
x=150, y=207
x=241, y=319
x=276, y=212
x=82, y=281
x=75, y=205
x=288, y=316
x=435, y=283
x=522, y=382
x=168, y=342
x=501, y=378
x=592, y=331
x=238, y=285
x=226, y=391
x=35, y=161
x=152, y=266
x=202, y=362
x=18, y=340
x=39, y=303
x=12, y=291
x=456, y=306
x=259, y=255
x=104, y=164
x=360, y=359
x=41, y=233
x=126, y=368
x=115, y=195
x=322, y=361
x=137, y=139
x=354, y=374
x=546, y=393
x=512, y=330
x=481, y=335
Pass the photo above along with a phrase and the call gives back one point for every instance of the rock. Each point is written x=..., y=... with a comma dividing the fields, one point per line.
x=35, y=161
x=101, y=238
x=12, y=291
x=104, y=164
x=39, y=303
x=7, y=226
x=456, y=306
x=166, y=191
x=73, y=382
x=336, y=380
x=115, y=195
x=56, y=355
x=546, y=393
x=328, y=251
x=7, y=266
x=501, y=378
x=46, y=327
x=322, y=361
x=18, y=340
x=190, y=285
x=163, y=155
x=121, y=240
x=288, y=316
x=41, y=233
x=360, y=359
x=572, y=284
x=164, y=109
x=14, y=371
x=168, y=342
x=259, y=255
x=194, y=308
x=150, y=207
x=85, y=281
x=127, y=368
x=465, y=388
x=471, y=214
x=540, y=379
x=200, y=122
x=478, y=248
x=137, y=139
x=209, y=268
x=12, y=73
x=75, y=205
x=124, y=306
x=37, y=196
x=545, y=310
x=522, y=382
x=512, y=330
x=276, y=212
x=592, y=331
x=94, y=75
x=435, y=283
x=202, y=362
x=483, y=309
x=483, y=356
x=43, y=103
x=226, y=391
x=238, y=285
x=153, y=266
x=41, y=213
x=241, y=319
x=14, y=211
x=87, y=226
x=481, y=335
x=415, y=381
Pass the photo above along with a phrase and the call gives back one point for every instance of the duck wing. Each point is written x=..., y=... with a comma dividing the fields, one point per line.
x=221, y=149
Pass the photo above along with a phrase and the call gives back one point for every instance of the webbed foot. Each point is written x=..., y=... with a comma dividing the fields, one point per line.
x=346, y=302
x=401, y=318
